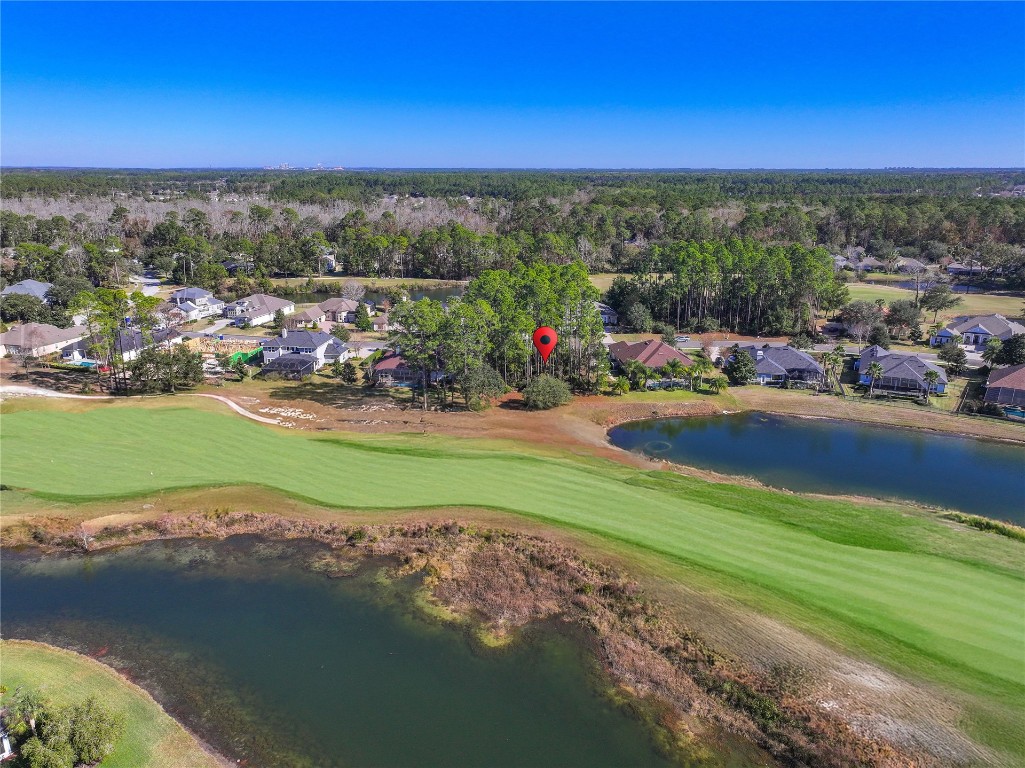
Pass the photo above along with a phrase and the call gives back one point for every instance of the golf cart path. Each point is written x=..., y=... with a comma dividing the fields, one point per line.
x=14, y=389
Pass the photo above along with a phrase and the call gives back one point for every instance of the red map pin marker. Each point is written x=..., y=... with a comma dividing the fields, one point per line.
x=545, y=339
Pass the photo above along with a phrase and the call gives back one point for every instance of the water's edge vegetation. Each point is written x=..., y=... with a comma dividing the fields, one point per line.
x=502, y=581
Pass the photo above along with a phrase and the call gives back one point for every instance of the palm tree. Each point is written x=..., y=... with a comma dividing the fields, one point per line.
x=717, y=383
x=621, y=385
x=674, y=368
x=875, y=372
x=832, y=362
x=931, y=377
x=699, y=369
x=638, y=373
x=992, y=351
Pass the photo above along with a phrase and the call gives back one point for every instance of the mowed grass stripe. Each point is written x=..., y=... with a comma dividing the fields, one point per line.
x=955, y=612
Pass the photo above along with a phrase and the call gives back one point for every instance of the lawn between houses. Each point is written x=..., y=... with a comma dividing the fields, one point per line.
x=926, y=599
x=152, y=739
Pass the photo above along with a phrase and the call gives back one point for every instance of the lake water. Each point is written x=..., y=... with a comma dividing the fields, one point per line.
x=824, y=456
x=281, y=665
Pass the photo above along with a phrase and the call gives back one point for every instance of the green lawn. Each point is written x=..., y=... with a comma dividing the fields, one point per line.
x=152, y=738
x=920, y=596
x=1009, y=305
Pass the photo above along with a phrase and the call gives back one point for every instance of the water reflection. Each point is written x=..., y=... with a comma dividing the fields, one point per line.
x=282, y=666
x=825, y=456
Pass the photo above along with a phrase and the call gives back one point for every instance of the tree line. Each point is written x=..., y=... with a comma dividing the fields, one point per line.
x=740, y=286
x=482, y=342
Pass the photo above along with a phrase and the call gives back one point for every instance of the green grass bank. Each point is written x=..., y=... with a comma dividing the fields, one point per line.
x=152, y=738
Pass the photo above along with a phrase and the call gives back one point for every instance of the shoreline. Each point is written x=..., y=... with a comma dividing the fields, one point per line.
x=498, y=582
x=123, y=680
x=619, y=419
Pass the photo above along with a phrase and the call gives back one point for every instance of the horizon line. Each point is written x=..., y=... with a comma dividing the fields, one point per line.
x=507, y=169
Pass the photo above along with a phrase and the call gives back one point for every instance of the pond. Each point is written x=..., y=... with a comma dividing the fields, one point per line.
x=277, y=664
x=979, y=477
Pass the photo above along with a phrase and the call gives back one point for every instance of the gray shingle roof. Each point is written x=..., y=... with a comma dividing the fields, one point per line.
x=777, y=360
x=996, y=325
x=29, y=288
x=190, y=294
x=301, y=338
x=897, y=365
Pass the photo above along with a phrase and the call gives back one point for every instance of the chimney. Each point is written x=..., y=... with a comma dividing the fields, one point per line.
x=284, y=333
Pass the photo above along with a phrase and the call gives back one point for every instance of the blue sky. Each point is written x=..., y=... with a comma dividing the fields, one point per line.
x=788, y=85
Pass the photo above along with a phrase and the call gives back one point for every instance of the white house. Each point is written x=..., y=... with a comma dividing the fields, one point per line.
x=323, y=347
x=39, y=339
x=129, y=344
x=196, y=303
x=257, y=309
x=976, y=330
x=609, y=316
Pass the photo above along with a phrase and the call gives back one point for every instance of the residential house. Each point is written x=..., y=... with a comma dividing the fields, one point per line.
x=311, y=316
x=196, y=303
x=910, y=266
x=29, y=288
x=609, y=316
x=902, y=372
x=382, y=323
x=257, y=309
x=129, y=344
x=653, y=353
x=976, y=330
x=291, y=366
x=343, y=310
x=841, y=262
x=776, y=366
x=871, y=264
x=966, y=268
x=1006, y=386
x=391, y=370
x=39, y=339
x=322, y=347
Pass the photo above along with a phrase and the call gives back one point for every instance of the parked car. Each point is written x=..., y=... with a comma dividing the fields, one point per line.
x=682, y=339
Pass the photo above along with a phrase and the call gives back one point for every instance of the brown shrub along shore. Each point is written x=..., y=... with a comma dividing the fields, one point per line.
x=505, y=580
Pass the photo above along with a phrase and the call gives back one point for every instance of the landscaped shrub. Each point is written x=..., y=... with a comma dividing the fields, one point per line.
x=544, y=392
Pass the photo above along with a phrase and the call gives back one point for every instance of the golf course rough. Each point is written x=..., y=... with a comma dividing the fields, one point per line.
x=918, y=595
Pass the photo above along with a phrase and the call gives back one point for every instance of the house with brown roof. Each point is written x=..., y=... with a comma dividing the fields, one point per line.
x=653, y=353
x=340, y=310
x=391, y=370
x=1006, y=387
x=312, y=316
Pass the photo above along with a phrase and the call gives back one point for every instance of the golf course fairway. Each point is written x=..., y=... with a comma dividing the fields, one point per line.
x=923, y=597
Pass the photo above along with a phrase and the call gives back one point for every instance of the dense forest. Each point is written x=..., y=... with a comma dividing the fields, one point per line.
x=666, y=189
x=741, y=250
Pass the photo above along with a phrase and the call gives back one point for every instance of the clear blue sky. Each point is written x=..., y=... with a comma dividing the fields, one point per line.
x=790, y=85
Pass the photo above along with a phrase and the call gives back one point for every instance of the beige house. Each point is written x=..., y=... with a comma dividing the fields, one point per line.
x=39, y=339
